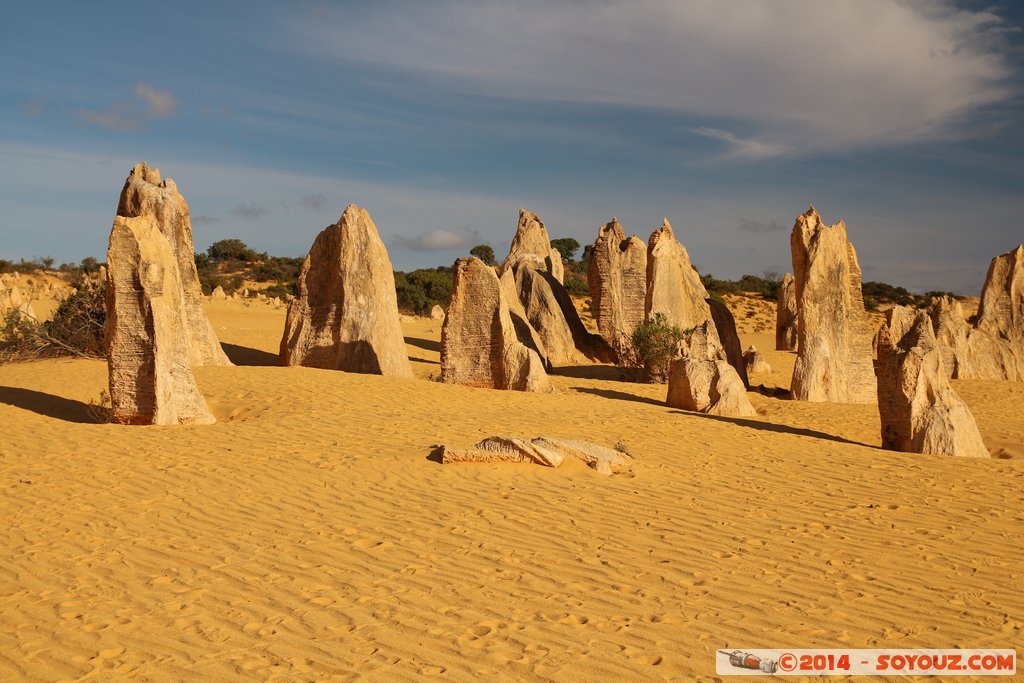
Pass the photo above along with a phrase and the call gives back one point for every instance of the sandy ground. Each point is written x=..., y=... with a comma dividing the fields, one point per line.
x=308, y=536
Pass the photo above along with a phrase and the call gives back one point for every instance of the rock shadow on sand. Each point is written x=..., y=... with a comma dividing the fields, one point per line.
x=57, y=407
x=619, y=395
x=604, y=373
x=774, y=427
x=425, y=344
x=243, y=355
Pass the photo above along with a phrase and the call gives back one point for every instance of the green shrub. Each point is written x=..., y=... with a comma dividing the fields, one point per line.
x=76, y=328
x=281, y=291
x=566, y=246
x=420, y=290
x=576, y=285
x=652, y=347
x=231, y=249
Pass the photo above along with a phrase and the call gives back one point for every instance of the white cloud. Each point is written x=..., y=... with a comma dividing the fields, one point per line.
x=125, y=115
x=158, y=102
x=439, y=240
x=797, y=76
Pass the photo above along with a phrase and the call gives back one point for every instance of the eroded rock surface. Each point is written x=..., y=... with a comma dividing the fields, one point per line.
x=479, y=344
x=834, y=348
x=785, y=316
x=149, y=357
x=919, y=411
x=345, y=316
x=617, y=278
x=146, y=196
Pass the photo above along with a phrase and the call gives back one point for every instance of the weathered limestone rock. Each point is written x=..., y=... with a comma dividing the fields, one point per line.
x=988, y=356
x=920, y=412
x=617, y=278
x=673, y=286
x=550, y=312
x=834, y=348
x=218, y=293
x=950, y=326
x=145, y=195
x=532, y=240
x=345, y=316
x=149, y=357
x=755, y=361
x=785, y=316
x=13, y=299
x=479, y=346
x=555, y=266
x=1001, y=312
x=436, y=313
x=995, y=348
x=703, y=381
x=525, y=332
x=675, y=290
x=540, y=451
x=725, y=328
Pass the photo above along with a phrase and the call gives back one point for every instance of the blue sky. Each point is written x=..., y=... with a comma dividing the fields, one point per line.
x=443, y=118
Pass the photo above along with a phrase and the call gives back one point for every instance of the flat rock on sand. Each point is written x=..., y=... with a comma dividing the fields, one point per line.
x=345, y=316
x=540, y=451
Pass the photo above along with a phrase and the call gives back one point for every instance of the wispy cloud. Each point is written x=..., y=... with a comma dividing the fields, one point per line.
x=438, y=240
x=32, y=107
x=131, y=114
x=743, y=148
x=748, y=225
x=250, y=211
x=204, y=220
x=313, y=202
x=794, y=74
x=158, y=102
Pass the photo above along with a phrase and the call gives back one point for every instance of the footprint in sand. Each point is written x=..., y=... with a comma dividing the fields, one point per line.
x=431, y=670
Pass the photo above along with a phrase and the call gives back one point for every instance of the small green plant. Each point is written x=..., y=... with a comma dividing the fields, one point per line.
x=652, y=347
x=576, y=285
x=100, y=410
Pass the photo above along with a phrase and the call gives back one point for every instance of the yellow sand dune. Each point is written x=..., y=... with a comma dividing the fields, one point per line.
x=308, y=536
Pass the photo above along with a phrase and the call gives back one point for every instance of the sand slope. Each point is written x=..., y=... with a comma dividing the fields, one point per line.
x=308, y=536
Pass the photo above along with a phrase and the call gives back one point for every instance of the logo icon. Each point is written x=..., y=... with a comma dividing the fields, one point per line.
x=745, y=660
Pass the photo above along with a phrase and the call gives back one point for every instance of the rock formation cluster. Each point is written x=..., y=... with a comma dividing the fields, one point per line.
x=532, y=274
x=919, y=411
x=674, y=289
x=479, y=344
x=345, y=316
x=702, y=380
x=834, y=338
x=994, y=347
